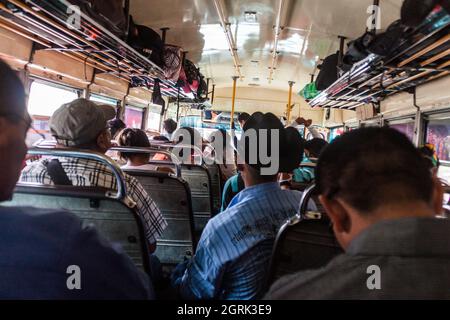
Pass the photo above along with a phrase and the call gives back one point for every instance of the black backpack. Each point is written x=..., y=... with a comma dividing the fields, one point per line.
x=385, y=43
x=328, y=72
x=110, y=14
x=157, y=96
x=147, y=42
x=357, y=50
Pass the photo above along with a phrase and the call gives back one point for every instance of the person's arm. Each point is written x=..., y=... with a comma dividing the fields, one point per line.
x=308, y=124
x=202, y=279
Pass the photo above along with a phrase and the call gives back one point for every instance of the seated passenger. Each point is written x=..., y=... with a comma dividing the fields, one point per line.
x=115, y=126
x=383, y=210
x=313, y=149
x=235, y=247
x=224, y=157
x=232, y=187
x=82, y=124
x=38, y=247
x=243, y=118
x=169, y=127
x=135, y=138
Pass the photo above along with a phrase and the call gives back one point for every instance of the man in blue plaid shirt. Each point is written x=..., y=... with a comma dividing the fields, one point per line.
x=233, y=254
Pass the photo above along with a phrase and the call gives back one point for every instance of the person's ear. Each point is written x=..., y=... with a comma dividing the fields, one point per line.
x=341, y=219
x=438, y=195
x=337, y=213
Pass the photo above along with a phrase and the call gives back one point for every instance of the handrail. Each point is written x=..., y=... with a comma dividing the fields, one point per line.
x=304, y=201
x=177, y=161
x=92, y=155
x=183, y=146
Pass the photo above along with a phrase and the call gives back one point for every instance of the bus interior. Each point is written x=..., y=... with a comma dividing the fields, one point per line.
x=221, y=59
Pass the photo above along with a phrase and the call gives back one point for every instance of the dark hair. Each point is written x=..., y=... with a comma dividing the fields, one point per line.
x=115, y=126
x=291, y=147
x=132, y=138
x=12, y=93
x=170, y=126
x=371, y=167
x=315, y=146
x=243, y=117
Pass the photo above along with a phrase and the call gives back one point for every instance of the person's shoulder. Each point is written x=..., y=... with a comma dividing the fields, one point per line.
x=32, y=215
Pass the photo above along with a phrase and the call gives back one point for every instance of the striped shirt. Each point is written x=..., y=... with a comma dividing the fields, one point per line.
x=91, y=173
x=235, y=248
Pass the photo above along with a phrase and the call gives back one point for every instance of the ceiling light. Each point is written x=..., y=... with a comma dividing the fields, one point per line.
x=251, y=16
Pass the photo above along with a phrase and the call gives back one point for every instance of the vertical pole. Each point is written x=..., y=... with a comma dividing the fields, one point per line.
x=233, y=106
x=291, y=84
x=213, y=93
x=164, y=34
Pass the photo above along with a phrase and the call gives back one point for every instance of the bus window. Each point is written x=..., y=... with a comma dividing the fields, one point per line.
x=134, y=117
x=103, y=100
x=46, y=99
x=404, y=126
x=154, y=117
x=336, y=132
x=438, y=134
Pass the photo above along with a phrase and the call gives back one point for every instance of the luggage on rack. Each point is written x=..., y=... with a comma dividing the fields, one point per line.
x=172, y=61
x=357, y=50
x=157, y=96
x=328, y=72
x=147, y=42
x=385, y=43
x=110, y=14
x=415, y=12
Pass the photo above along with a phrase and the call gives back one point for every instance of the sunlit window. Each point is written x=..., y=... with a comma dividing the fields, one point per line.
x=46, y=99
x=134, y=117
x=103, y=100
x=154, y=117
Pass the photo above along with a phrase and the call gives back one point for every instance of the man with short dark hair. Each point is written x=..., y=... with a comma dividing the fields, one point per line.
x=169, y=127
x=242, y=119
x=383, y=201
x=82, y=124
x=235, y=248
x=39, y=246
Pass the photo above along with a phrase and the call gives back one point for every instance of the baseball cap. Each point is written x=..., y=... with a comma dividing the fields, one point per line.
x=80, y=122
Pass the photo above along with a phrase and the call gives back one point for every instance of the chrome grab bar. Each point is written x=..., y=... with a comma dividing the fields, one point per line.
x=181, y=146
x=92, y=155
x=175, y=160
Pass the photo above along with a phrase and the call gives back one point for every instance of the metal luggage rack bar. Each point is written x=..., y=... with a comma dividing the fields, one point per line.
x=45, y=22
x=412, y=63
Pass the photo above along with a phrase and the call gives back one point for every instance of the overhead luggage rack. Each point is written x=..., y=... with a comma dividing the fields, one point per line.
x=47, y=23
x=422, y=56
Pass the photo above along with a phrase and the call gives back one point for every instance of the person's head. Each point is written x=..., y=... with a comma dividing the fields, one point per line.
x=429, y=153
x=267, y=148
x=134, y=138
x=170, y=126
x=115, y=126
x=82, y=124
x=242, y=119
x=314, y=147
x=374, y=174
x=14, y=125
